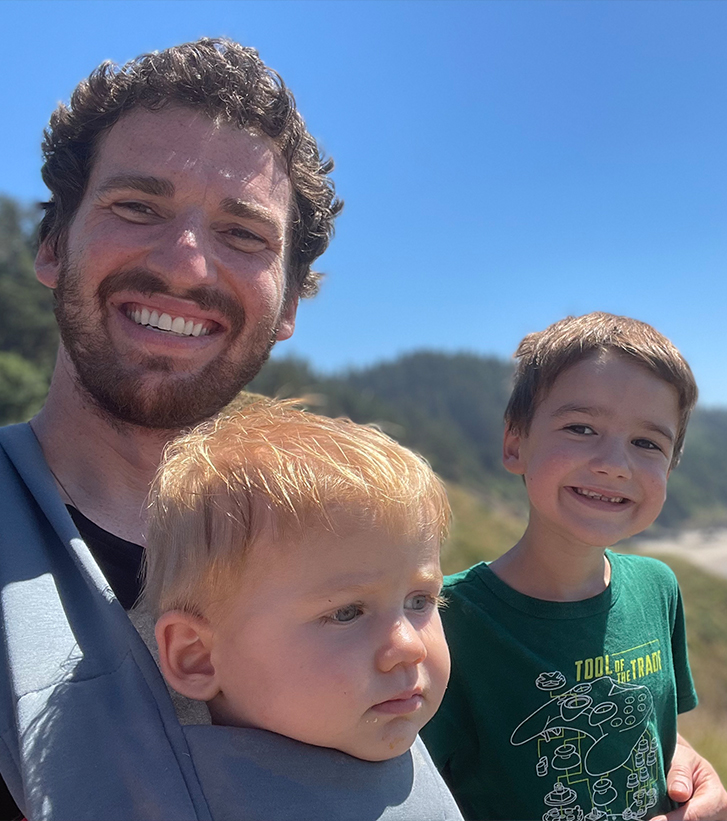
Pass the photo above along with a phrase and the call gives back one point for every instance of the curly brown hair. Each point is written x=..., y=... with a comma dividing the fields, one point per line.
x=225, y=80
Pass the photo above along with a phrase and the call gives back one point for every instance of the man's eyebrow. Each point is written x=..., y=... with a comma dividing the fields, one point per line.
x=252, y=211
x=154, y=186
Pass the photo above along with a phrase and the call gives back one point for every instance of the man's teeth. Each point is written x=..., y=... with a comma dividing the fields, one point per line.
x=164, y=322
x=592, y=495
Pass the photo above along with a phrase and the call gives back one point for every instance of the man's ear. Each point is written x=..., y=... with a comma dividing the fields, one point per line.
x=185, y=643
x=47, y=264
x=286, y=325
x=511, y=455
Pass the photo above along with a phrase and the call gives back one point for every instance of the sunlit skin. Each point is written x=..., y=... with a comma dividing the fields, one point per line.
x=200, y=207
x=334, y=641
x=203, y=209
x=606, y=429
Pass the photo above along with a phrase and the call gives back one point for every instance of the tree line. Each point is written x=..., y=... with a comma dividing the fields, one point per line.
x=448, y=407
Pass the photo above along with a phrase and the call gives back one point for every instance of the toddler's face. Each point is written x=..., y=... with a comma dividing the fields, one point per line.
x=334, y=641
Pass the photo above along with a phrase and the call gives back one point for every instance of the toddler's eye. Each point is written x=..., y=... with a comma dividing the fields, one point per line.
x=421, y=601
x=346, y=614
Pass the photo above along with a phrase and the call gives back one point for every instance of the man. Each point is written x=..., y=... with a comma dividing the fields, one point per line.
x=188, y=204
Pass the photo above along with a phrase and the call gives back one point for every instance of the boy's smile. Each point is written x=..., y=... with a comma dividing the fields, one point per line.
x=597, y=456
x=335, y=641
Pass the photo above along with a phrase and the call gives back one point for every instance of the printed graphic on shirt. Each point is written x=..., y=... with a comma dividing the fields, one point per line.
x=594, y=748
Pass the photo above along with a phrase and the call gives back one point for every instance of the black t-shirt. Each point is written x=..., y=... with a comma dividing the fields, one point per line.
x=120, y=562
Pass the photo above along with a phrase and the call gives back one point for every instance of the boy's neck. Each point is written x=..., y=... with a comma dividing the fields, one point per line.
x=553, y=569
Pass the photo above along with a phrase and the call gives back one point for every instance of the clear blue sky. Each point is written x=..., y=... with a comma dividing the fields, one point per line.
x=503, y=163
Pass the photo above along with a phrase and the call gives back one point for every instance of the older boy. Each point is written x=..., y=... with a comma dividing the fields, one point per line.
x=294, y=560
x=569, y=660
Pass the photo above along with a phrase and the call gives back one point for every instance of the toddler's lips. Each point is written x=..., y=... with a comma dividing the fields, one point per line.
x=400, y=706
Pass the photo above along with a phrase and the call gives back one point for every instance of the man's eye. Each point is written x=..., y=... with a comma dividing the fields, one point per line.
x=245, y=240
x=647, y=444
x=346, y=614
x=583, y=430
x=134, y=207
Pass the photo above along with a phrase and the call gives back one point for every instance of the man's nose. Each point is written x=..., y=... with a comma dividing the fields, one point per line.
x=402, y=644
x=612, y=458
x=182, y=254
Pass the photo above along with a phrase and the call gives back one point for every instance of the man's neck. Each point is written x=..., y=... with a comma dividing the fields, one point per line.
x=546, y=566
x=101, y=468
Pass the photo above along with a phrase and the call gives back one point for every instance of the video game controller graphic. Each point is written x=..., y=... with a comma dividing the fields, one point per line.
x=612, y=714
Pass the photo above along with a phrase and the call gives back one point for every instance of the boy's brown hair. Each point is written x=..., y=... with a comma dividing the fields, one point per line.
x=545, y=355
x=271, y=468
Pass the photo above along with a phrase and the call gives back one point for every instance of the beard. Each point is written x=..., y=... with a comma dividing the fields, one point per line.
x=117, y=385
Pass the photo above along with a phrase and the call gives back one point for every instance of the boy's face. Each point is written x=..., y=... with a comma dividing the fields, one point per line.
x=597, y=456
x=334, y=641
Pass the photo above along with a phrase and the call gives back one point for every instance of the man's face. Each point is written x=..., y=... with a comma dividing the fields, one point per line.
x=598, y=454
x=334, y=641
x=171, y=289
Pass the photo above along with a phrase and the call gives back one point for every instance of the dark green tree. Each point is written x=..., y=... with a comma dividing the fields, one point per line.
x=27, y=324
x=28, y=332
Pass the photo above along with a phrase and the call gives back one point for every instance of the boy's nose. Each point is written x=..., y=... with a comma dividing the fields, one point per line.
x=402, y=645
x=181, y=255
x=612, y=458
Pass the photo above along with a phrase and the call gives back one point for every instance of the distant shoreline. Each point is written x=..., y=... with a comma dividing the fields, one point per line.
x=706, y=548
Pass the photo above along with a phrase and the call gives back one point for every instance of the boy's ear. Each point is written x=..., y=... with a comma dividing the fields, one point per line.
x=47, y=264
x=185, y=643
x=511, y=456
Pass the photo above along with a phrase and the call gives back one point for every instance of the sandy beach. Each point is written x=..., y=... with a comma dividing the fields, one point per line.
x=706, y=548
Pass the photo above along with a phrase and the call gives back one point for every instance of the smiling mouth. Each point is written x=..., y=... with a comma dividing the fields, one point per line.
x=599, y=497
x=178, y=325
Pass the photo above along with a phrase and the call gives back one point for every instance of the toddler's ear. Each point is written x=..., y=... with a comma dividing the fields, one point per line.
x=511, y=458
x=185, y=643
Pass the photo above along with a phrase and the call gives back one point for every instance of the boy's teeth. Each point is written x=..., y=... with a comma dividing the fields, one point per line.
x=164, y=322
x=593, y=495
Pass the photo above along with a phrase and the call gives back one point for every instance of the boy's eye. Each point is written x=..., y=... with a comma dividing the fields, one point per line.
x=346, y=614
x=582, y=430
x=647, y=444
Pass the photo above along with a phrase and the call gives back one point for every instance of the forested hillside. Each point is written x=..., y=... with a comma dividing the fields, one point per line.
x=28, y=335
x=447, y=406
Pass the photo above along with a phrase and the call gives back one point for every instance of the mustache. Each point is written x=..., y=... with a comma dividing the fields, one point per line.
x=148, y=284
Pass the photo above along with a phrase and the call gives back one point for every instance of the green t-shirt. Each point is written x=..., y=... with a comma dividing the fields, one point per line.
x=563, y=711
